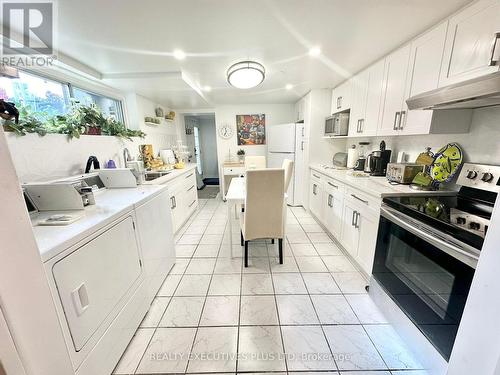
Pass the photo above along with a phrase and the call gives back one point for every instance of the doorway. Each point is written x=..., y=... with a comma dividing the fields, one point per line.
x=201, y=139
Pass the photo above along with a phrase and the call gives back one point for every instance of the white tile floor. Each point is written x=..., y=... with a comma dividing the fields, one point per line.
x=312, y=313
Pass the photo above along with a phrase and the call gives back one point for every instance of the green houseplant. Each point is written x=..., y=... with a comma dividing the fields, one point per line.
x=241, y=155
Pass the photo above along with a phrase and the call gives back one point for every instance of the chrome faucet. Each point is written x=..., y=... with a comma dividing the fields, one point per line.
x=126, y=157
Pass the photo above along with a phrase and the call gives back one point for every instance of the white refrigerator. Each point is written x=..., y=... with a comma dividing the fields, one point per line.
x=286, y=141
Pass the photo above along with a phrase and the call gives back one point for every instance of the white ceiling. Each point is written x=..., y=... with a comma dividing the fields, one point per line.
x=125, y=39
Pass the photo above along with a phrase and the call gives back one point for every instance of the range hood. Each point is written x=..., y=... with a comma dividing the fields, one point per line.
x=474, y=93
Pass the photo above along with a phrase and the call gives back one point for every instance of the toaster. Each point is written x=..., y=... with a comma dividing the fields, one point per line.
x=340, y=160
x=403, y=173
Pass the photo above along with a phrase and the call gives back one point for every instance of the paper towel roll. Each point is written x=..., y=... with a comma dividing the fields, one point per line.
x=352, y=157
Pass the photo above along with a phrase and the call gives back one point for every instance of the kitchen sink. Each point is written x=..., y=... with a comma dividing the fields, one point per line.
x=153, y=175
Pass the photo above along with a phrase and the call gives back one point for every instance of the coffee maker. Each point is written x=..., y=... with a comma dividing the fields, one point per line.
x=376, y=162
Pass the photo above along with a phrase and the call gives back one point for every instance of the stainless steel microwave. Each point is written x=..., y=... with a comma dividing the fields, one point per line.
x=337, y=124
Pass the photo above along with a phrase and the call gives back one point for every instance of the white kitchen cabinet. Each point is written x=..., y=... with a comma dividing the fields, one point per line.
x=316, y=196
x=341, y=97
x=396, y=67
x=183, y=198
x=299, y=110
x=365, y=107
x=367, y=223
x=154, y=223
x=333, y=206
x=350, y=234
x=472, y=43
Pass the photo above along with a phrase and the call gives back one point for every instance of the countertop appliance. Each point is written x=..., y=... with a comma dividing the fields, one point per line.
x=339, y=160
x=337, y=125
x=376, y=163
x=286, y=141
x=403, y=173
x=427, y=250
x=474, y=93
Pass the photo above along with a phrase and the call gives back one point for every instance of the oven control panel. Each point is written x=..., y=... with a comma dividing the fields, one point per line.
x=480, y=176
x=472, y=223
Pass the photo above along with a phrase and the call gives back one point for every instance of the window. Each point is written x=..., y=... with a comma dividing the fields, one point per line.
x=47, y=98
x=43, y=96
x=110, y=107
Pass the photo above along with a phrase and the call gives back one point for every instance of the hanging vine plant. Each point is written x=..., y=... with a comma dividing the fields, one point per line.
x=82, y=119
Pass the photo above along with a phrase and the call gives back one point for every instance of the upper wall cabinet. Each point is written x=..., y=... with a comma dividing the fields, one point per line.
x=472, y=43
x=341, y=97
x=365, y=105
x=300, y=109
x=392, y=104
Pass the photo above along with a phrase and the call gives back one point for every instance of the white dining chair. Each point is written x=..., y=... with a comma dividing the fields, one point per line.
x=288, y=167
x=255, y=162
x=263, y=217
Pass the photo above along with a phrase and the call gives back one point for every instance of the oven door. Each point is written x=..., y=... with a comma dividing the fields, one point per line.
x=426, y=273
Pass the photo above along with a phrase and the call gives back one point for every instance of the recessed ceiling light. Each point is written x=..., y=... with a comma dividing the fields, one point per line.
x=289, y=86
x=246, y=74
x=314, y=51
x=207, y=88
x=179, y=55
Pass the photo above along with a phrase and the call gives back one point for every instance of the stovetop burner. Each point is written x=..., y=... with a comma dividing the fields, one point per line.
x=465, y=216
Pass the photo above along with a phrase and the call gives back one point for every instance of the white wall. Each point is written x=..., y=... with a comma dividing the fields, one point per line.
x=41, y=158
x=275, y=114
x=208, y=145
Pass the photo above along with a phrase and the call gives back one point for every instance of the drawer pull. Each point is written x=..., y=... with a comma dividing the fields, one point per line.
x=193, y=202
x=191, y=188
x=335, y=186
x=359, y=199
x=315, y=175
x=80, y=299
x=190, y=175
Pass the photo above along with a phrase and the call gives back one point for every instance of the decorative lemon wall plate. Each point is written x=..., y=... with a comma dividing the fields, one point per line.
x=447, y=162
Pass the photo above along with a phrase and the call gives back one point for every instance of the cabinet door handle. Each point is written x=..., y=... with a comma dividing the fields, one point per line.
x=356, y=223
x=302, y=131
x=396, y=120
x=362, y=125
x=359, y=199
x=314, y=189
x=335, y=186
x=302, y=146
x=340, y=101
x=494, y=61
x=172, y=205
x=353, y=220
x=402, y=119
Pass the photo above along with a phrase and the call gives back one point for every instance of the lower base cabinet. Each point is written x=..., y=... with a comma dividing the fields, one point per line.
x=183, y=198
x=353, y=222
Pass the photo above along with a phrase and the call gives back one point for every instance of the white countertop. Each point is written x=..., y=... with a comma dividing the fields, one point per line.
x=169, y=177
x=378, y=187
x=110, y=205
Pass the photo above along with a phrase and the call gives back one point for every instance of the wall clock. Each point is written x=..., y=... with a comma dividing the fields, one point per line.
x=226, y=131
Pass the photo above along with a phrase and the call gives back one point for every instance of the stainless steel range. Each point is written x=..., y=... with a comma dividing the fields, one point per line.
x=427, y=250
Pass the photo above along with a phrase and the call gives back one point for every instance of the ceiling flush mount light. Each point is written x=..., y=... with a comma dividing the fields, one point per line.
x=246, y=74
x=289, y=86
x=314, y=51
x=207, y=88
x=179, y=55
